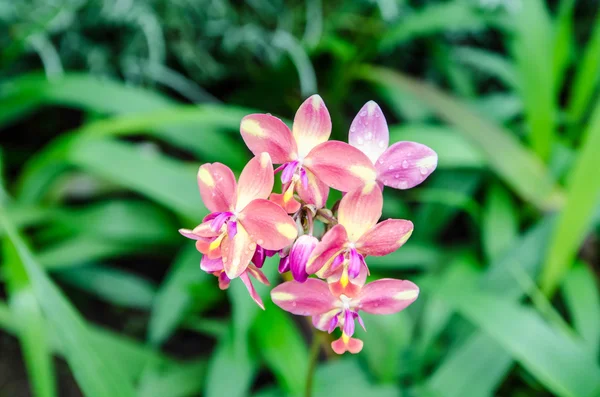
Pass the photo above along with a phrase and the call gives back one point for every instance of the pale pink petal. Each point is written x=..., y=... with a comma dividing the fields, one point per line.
x=268, y=224
x=315, y=192
x=256, y=180
x=189, y=234
x=205, y=230
x=344, y=344
x=211, y=265
x=331, y=245
x=312, y=124
x=385, y=238
x=217, y=187
x=340, y=166
x=237, y=252
x=327, y=320
x=387, y=296
x=310, y=298
x=248, y=283
x=360, y=210
x=257, y=274
x=369, y=131
x=405, y=164
x=290, y=205
x=266, y=133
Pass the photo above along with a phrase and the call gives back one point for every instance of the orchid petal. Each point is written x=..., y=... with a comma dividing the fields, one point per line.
x=338, y=285
x=217, y=187
x=204, y=229
x=310, y=298
x=360, y=210
x=211, y=265
x=223, y=281
x=313, y=191
x=268, y=224
x=326, y=321
x=231, y=229
x=189, y=234
x=331, y=245
x=288, y=171
x=284, y=264
x=210, y=247
x=405, y=164
x=355, y=263
x=369, y=131
x=344, y=344
x=256, y=181
x=299, y=255
x=290, y=206
x=266, y=133
x=312, y=124
x=237, y=252
x=257, y=274
x=259, y=257
x=387, y=296
x=248, y=283
x=348, y=323
x=385, y=238
x=340, y=166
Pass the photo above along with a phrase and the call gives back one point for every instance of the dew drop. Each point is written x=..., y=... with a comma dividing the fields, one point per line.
x=380, y=161
x=363, y=113
x=376, y=114
x=251, y=246
x=385, y=182
x=391, y=167
x=397, y=176
x=381, y=144
x=404, y=164
x=352, y=129
x=294, y=304
x=424, y=170
x=360, y=141
x=403, y=185
x=369, y=136
x=260, y=241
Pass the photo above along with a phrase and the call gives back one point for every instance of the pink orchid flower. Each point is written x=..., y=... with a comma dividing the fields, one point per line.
x=330, y=310
x=401, y=166
x=357, y=234
x=241, y=218
x=311, y=164
x=216, y=268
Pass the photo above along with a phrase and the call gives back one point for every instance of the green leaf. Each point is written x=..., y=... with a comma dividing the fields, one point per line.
x=84, y=360
x=181, y=381
x=282, y=347
x=488, y=62
x=583, y=191
x=500, y=223
x=453, y=150
x=581, y=292
x=113, y=285
x=519, y=168
x=532, y=48
x=413, y=255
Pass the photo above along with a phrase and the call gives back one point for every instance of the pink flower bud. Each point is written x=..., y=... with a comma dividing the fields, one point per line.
x=299, y=255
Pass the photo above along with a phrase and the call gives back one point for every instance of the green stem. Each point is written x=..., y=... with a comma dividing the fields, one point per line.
x=314, y=358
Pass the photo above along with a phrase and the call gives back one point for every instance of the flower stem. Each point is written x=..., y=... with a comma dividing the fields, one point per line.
x=312, y=365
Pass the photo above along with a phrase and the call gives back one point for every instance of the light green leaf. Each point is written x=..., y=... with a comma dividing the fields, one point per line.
x=500, y=223
x=488, y=62
x=181, y=381
x=519, y=168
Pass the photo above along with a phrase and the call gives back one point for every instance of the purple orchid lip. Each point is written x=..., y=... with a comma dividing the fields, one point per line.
x=288, y=171
x=219, y=220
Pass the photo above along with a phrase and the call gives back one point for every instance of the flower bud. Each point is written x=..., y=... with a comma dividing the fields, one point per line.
x=299, y=255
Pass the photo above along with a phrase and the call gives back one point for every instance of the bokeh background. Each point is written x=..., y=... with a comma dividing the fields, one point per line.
x=108, y=107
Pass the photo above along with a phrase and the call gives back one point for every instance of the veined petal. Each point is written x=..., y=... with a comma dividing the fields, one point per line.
x=217, y=187
x=312, y=124
x=248, y=283
x=386, y=296
x=331, y=245
x=405, y=164
x=315, y=192
x=266, y=133
x=369, y=131
x=256, y=180
x=385, y=238
x=340, y=166
x=211, y=265
x=360, y=210
x=268, y=224
x=237, y=252
x=310, y=298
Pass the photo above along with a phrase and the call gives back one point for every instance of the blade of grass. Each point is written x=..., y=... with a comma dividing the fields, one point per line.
x=186, y=380
x=519, y=168
x=500, y=224
x=488, y=62
x=583, y=191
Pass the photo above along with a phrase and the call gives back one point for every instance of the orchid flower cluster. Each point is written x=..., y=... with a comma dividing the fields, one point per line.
x=249, y=222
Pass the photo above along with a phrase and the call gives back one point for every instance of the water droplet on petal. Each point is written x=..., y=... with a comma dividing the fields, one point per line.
x=260, y=241
x=404, y=164
x=294, y=304
x=380, y=161
x=363, y=113
x=391, y=167
x=424, y=170
x=376, y=114
x=403, y=185
x=397, y=176
x=352, y=129
x=251, y=246
x=369, y=136
x=381, y=144
x=360, y=141
x=385, y=182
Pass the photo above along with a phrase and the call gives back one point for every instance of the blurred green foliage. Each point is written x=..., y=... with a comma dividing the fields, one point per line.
x=107, y=107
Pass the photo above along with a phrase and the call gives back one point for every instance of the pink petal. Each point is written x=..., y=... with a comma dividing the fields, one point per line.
x=266, y=133
x=257, y=274
x=350, y=287
x=310, y=298
x=290, y=206
x=210, y=247
x=268, y=224
x=385, y=238
x=256, y=180
x=189, y=234
x=248, y=283
x=340, y=166
x=369, y=131
x=299, y=255
x=315, y=192
x=237, y=252
x=342, y=345
x=387, y=296
x=331, y=245
x=312, y=125
x=405, y=164
x=211, y=265
x=217, y=187
x=360, y=210
x=324, y=321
